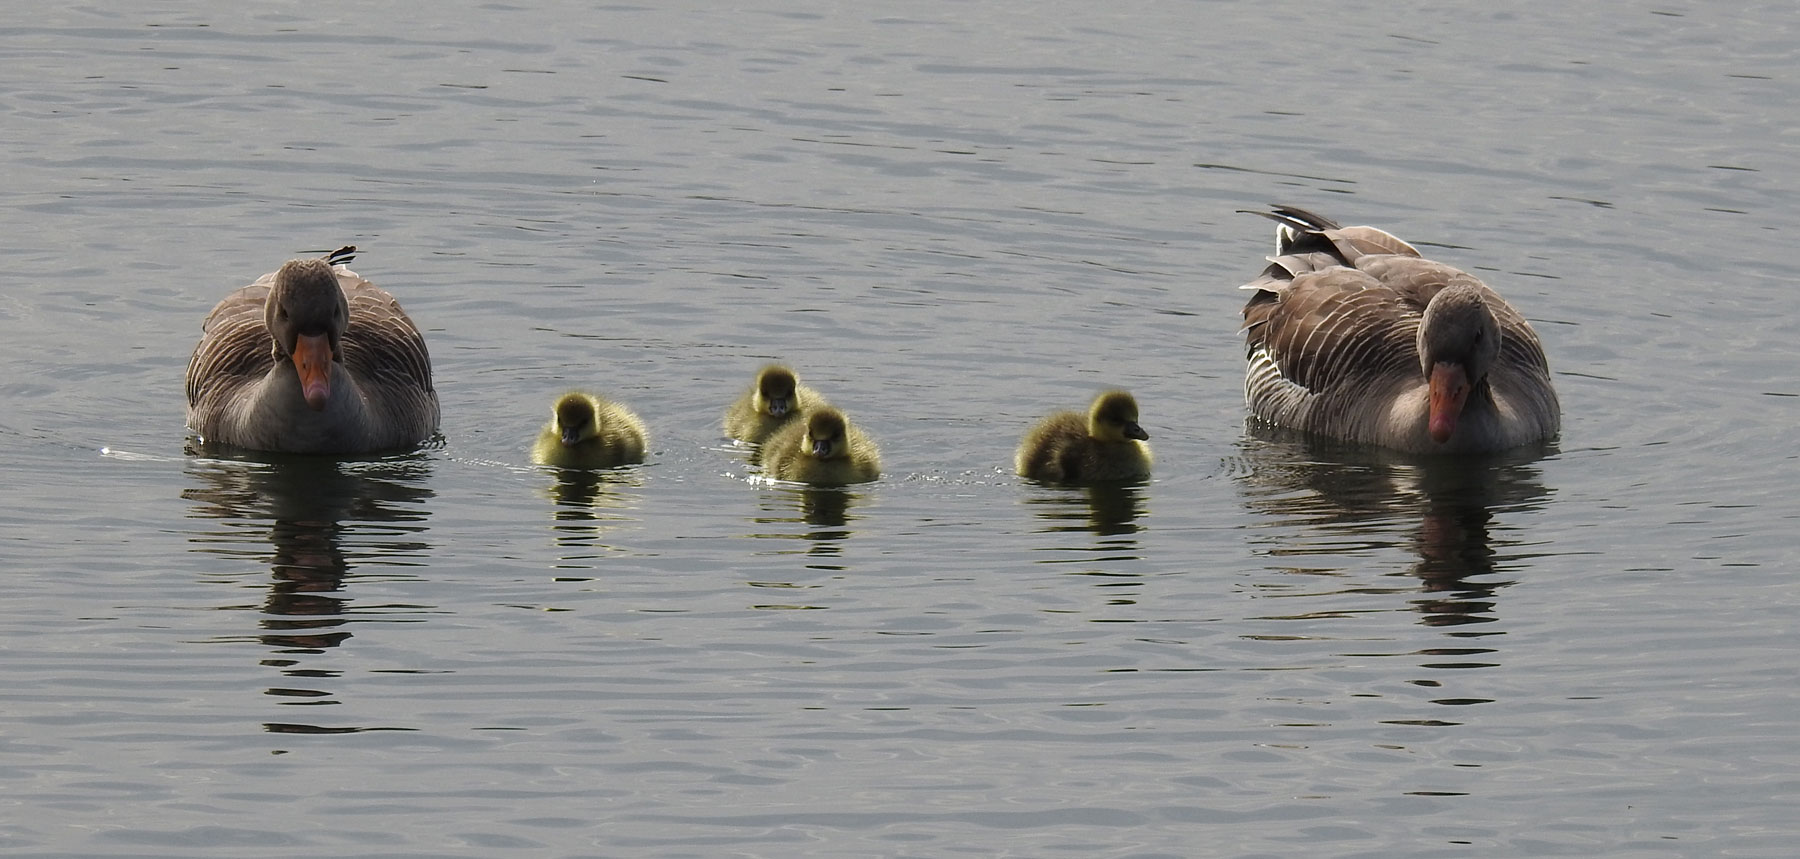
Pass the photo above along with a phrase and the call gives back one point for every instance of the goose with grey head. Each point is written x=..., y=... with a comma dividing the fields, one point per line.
x=311, y=358
x=1351, y=333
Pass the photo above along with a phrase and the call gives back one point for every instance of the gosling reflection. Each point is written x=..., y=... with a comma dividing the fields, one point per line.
x=826, y=508
x=1329, y=498
x=587, y=504
x=312, y=509
x=823, y=517
x=1104, y=509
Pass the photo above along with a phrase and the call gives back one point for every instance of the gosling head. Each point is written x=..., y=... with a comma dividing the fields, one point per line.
x=577, y=420
x=307, y=313
x=1114, y=418
x=827, y=434
x=775, y=387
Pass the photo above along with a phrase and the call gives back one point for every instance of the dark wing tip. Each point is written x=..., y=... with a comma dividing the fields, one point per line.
x=1300, y=219
x=341, y=256
x=1299, y=231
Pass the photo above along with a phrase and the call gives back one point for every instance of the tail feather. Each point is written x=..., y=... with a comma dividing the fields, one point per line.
x=1297, y=230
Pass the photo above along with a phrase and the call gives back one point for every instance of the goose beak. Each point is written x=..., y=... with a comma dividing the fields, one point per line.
x=312, y=357
x=821, y=448
x=571, y=436
x=1449, y=390
x=1132, y=430
x=778, y=406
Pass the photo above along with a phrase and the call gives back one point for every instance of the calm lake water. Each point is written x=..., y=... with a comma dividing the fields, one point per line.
x=952, y=218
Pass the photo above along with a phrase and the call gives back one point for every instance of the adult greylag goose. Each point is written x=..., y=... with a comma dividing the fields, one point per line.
x=1352, y=334
x=311, y=358
x=587, y=431
x=1104, y=444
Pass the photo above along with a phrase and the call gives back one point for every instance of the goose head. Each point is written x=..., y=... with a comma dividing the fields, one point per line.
x=1458, y=341
x=1114, y=418
x=827, y=434
x=307, y=313
x=775, y=387
x=577, y=420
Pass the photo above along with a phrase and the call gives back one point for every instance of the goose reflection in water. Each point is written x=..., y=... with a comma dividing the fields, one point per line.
x=322, y=518
x=1324, y=498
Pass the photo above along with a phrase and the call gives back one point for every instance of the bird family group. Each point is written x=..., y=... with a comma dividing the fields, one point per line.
x=1350, y=333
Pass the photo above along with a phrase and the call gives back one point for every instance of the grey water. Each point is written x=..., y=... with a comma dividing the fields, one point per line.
x=951, y=218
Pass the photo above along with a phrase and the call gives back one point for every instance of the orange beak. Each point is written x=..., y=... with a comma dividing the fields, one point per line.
x=1449, y=390
x=312, y=357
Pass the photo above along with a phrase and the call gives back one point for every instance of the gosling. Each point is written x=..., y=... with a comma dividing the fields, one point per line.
x=822, y=448
x=1105, y=445
x=775, y=399
x=586, y=431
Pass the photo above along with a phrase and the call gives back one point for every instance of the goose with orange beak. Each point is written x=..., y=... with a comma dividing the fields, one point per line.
x=311, y=358
x=1351, y=333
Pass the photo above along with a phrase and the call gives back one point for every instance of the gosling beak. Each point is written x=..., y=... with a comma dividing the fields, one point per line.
x=821, y=447
x=312, y=357
x=778, y=406
x=571, y=436
x=1449, y=390
x=1132, y=430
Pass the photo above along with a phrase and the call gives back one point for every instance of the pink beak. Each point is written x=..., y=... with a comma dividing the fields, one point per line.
x=312, y=357
x=1449, y=390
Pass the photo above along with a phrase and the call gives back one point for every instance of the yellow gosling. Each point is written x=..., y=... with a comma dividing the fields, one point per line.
x=776, y=398
x=586, y=431
x=822, y=448
x=1107, y=444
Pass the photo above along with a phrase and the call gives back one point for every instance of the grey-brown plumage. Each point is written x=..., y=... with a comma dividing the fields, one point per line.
x=823, y=448
x=587, y=431
x=311, y=358
x=1105, y=444
x=1352, y=334
x=775, y=398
